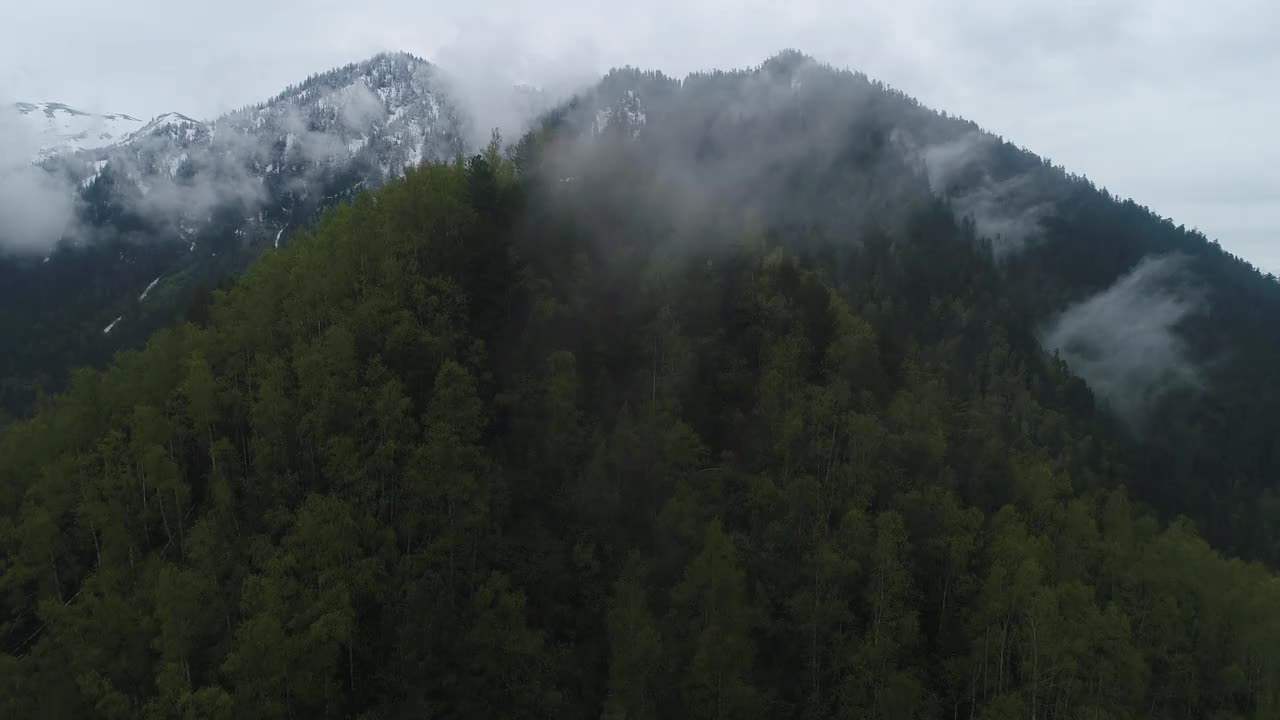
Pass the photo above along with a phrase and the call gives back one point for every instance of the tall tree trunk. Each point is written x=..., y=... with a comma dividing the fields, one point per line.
x=57, y=582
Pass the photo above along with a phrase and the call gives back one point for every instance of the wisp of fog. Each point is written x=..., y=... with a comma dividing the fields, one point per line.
x=1125, y=342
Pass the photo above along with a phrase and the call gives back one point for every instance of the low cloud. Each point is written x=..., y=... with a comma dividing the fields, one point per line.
x=500, y=82
x=1125, y=341
x=1008, y=211
x=173, y=172
x=36, y=206
x=791, y=143
x=36, y=209
x=358, y=106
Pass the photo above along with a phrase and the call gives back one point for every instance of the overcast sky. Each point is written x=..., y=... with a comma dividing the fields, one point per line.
x=1173, y=102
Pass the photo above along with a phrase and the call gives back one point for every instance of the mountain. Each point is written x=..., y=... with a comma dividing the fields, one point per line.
x=179, y=205
x=278, y=161
x=374, y=118
x=52, y=128
x=762, y=393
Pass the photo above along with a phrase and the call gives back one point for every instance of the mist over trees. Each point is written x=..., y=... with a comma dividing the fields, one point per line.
x=708, y=398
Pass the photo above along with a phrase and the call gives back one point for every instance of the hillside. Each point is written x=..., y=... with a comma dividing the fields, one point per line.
x=747, y=395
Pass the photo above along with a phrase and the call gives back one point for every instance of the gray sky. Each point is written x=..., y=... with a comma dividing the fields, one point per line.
x=1172, y=102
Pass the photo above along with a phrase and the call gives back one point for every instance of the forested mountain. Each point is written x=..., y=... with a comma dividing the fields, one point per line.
x=180, y=205
x=766, y=393
x=1175, y=337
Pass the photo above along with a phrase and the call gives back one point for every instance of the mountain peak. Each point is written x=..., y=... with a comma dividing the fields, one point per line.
x=171, y=117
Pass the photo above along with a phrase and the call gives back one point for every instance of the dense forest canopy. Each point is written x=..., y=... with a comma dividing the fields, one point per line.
x=651, y=416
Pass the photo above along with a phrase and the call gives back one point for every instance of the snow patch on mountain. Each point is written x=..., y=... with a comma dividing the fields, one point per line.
x=625, y=114
x=150, y=287
x=61, y=129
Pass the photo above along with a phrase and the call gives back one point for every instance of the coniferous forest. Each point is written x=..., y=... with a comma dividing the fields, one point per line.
x=504, y=439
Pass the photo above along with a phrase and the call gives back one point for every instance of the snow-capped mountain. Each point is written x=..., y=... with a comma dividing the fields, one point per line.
x=52, y=128
x=391, y=111
x=278, y=162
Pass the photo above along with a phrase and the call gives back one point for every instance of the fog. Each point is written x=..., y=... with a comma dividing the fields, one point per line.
x=35, y=206
x=1125, y=342
x=789, y=144
x=1008, y=211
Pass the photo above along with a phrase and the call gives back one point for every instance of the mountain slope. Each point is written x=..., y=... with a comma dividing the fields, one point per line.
x=553, y=437
x=1175, y=337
